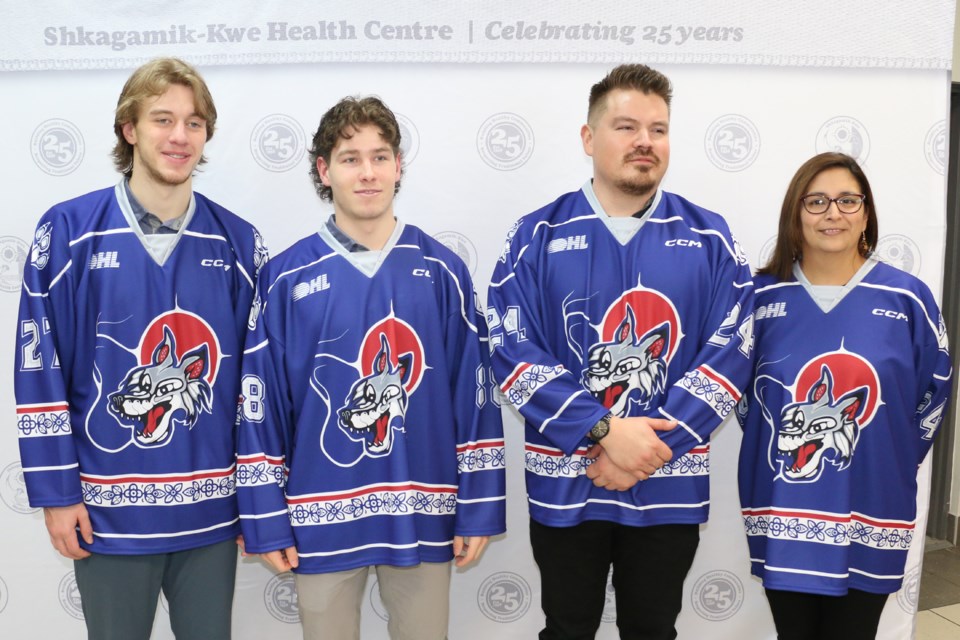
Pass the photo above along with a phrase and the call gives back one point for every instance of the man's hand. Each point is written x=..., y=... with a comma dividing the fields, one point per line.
x=633, y=445
x=605, y=474
x=62, y=523
x=282, y=559
x=466, y=549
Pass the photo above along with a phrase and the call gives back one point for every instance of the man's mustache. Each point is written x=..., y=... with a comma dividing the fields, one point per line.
x=640, y=154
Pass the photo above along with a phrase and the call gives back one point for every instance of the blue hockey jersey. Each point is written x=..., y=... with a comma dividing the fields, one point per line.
x=127, y=371
x=583, y=321
x=844, y=406
x=369, y=431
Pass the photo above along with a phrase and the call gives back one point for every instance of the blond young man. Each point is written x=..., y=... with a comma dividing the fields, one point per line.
x=132, y=320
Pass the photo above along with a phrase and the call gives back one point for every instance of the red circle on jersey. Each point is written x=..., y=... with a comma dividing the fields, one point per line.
x=849, y=372
x=650, y=309
x=189, y=332
x=402, y=339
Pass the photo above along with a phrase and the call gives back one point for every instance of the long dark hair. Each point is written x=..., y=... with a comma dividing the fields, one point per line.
x=790, y=234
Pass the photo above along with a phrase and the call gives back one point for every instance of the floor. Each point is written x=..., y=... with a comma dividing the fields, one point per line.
x=939, y=603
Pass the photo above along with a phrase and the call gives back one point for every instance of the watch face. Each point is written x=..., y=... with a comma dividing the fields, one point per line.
x=600, y=429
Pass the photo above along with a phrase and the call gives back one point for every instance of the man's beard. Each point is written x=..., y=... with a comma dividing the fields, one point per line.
x=642, y=182
x=639, y=185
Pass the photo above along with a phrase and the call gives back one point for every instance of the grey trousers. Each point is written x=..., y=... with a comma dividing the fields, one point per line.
x=417, y=600
x=119, y=594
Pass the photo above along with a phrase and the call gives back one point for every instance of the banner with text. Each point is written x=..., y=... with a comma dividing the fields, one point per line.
x=62, y=34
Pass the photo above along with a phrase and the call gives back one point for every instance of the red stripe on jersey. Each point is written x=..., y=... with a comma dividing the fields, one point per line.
x=719, y=379
x=516, y=374
x=362, y=492
x=41, y=408
x=200, y=475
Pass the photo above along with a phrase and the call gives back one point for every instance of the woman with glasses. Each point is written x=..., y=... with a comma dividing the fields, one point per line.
x=851, y=381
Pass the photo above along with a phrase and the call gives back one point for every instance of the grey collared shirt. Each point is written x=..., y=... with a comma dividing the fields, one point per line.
x=149, y=223
x=351, y=245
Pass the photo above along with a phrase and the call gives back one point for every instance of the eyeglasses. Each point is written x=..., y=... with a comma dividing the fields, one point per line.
x=817, y=203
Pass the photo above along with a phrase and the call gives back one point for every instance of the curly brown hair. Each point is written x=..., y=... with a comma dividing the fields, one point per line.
x=340, y=121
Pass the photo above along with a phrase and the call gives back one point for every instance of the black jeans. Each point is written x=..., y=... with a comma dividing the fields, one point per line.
x=808, y=616
x=649, y=566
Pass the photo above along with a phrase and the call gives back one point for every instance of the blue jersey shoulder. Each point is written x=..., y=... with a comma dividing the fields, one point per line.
x=433, y=248
x=294, y=258
x=672, y=204
x=886, y=274
x=84, y=213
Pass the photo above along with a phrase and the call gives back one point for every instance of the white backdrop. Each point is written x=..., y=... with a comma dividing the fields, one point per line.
x=484, y=144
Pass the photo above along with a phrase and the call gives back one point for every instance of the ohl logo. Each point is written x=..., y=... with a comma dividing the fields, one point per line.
x=179, y=357
x=639, y=335
x=391, y=365
x=835, y=396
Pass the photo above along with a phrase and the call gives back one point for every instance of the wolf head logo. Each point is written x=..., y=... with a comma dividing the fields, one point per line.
x=150, y=397
x=377, y=403
x=627, y=369
x=812, y=429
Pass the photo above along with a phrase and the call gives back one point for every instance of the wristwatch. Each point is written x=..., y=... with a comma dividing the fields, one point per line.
x=601, y=429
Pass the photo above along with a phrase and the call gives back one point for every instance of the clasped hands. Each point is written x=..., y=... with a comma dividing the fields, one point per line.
x=630, y=452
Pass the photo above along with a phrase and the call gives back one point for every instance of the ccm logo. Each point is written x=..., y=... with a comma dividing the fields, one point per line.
x=422, y=272
x=896, y=315
x=680, y=242
x=216, y=263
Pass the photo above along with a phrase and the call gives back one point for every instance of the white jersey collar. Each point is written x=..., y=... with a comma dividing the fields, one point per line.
x=623, y=229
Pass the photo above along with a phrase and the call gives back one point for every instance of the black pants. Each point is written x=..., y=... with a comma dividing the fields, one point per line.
x=807, y=616
x=649, y=566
